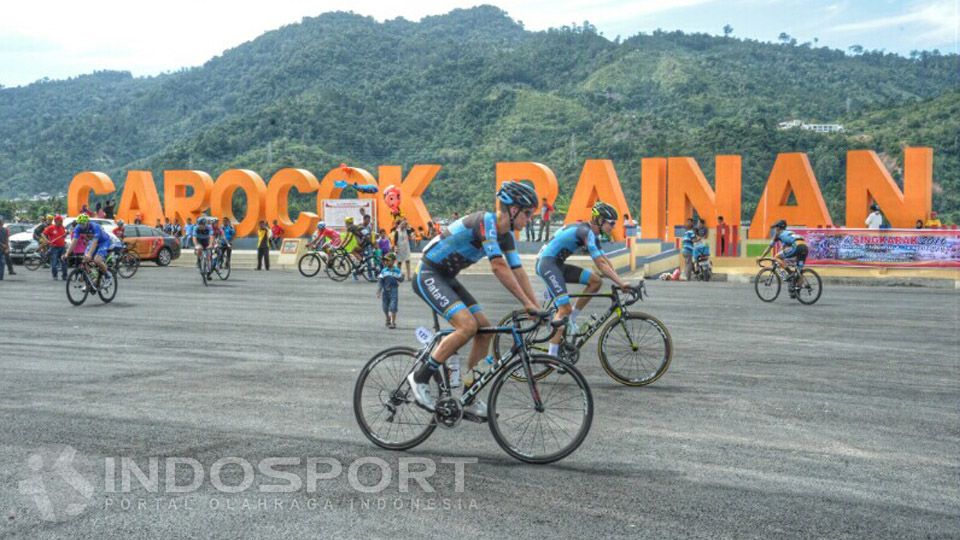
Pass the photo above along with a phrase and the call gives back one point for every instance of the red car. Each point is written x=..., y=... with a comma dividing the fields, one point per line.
x=151, y=244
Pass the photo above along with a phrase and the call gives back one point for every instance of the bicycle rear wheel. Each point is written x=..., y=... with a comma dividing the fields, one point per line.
x=809, y=292
x=76, y=287
x=108, y=287
x=635, y=349
x=309, y=265
x=128, y=265
x=767, y=285
x=223, y=269
x=384, y=406
x=552, y=433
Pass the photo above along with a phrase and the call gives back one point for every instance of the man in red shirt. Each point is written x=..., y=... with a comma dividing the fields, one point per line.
x=277, y=232
x=56, y=238
x=546, y=211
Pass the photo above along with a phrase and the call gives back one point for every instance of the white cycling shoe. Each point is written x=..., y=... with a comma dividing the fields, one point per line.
x=421, y=393
x=478, y=408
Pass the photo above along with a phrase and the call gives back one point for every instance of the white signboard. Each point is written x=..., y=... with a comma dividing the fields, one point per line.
x=335, y=211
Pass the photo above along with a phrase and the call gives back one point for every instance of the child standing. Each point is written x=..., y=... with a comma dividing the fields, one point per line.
x=388, y=288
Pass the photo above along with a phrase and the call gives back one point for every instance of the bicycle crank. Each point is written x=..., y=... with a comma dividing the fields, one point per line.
x=448, y=412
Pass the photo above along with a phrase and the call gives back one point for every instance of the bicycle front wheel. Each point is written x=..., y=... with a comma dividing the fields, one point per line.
x=128, y=265
x=32, y=262
x=767, y=285
x=204, y=268
x=76, y=287
x=339, y=268
x=309, y=265
x=384, y=405
x=635, y=349
x=810, y=288
x=223, y=269
x=108, y=287
x=554, y=431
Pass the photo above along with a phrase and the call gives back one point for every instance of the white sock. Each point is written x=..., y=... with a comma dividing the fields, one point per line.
x=573, y=315
x=554, y=349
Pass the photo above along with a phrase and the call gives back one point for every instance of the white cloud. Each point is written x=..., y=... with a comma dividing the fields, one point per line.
x=940, y=20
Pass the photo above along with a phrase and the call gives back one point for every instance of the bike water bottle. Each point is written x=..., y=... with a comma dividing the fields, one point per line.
x=453, y=364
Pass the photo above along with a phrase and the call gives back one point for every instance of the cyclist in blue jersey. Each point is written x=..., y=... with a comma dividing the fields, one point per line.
x=459, y=245
x=227, y=232
x=97, y=241
x=556, y=273
x=794, y=252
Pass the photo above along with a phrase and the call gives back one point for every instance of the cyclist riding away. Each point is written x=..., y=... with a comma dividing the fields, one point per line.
x=97, y=242
x=794, y=252
x=459, y=245
x=556, y=273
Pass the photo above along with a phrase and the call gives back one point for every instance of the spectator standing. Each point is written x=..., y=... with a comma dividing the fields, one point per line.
x=158, y=225
x=701, y=228
x=277, y=235
x=188, y=230
x=723, y=233
x=109, y=209
x=401, y=243
x=388, y=289
x=546, y=212
x=138, y=219
x=56, y=237
x=383, y=243
x=86, y=210
x=263, y=246
x=528, y=231
x=875, y=219
x=419, y=236
x=5, y=249
x=933, y=222
x=98, y=209
x=689, y=237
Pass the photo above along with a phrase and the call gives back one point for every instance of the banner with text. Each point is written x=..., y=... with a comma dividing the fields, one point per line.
x=897, y=248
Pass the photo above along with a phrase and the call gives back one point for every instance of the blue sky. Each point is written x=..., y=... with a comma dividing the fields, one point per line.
x=59, y=39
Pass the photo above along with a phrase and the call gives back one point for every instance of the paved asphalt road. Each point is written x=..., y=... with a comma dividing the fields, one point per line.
x=838, y=420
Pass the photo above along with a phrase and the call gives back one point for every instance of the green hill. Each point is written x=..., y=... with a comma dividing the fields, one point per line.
x=472, y=87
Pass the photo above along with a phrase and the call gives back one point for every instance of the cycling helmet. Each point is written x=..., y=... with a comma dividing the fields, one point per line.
x=321, y=226
x=782, y=224
x=120, y=222
x=514, y=193
x=83, y=219
x=605, y=212
x=390, y=257
x=201, y=221
x=49, y=217
x=348, y=221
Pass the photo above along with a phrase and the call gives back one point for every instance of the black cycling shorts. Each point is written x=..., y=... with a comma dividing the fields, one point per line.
x=443, y=294
x=557, y=274
x=796, y=253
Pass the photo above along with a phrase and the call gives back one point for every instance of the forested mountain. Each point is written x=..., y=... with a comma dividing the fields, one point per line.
x=472, y=87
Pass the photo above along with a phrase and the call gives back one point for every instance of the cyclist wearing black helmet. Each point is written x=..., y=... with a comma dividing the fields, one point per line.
x=556, y=273
x=459, y=245
x=794, y=250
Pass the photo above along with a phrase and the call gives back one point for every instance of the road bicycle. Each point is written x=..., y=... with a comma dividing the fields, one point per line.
x=533, y=420
x=313, y=261
x=123, y=262
x=343, y=264
x=805, y=286
x=205, y=264
x=36, y=259
x=87, y=279
x=634, y=348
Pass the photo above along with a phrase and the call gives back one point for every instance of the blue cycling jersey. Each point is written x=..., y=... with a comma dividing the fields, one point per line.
x=228, y=233
x=787, y=238
x=203, y=233
x=468, y=240
x=94, y=232
x=571, y=239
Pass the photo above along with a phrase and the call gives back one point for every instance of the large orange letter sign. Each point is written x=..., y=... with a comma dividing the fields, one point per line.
x=78, y=194
x=177, y=204
x=411, y=193
x=687, y=189
x=598, y=181
x=278, y=192
x=222, y=198
x=543, y=180
x=868, y=180
x=653, y=198
x=791, y=173
x=140, y=197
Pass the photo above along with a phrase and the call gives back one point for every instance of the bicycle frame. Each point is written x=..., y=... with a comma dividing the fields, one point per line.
x=617, y=307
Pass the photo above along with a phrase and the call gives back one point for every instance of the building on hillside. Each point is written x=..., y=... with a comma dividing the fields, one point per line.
x=819, y=128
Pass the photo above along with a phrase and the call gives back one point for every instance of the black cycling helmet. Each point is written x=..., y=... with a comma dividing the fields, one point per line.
x=782, y=224
x=605, y=212
x=514, y=193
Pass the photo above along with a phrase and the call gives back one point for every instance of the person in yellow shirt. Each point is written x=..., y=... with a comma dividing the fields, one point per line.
x=263, y=246
x=933, y=222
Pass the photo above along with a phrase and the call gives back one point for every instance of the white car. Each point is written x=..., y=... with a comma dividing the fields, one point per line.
x=23, y=244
